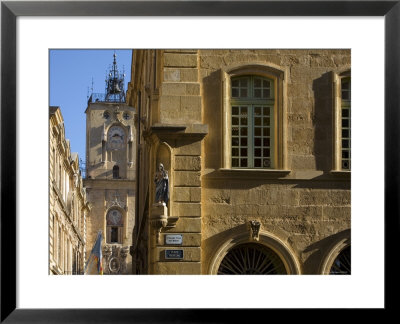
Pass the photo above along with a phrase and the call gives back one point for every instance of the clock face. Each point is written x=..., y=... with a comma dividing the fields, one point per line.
x=116, y=137
x=114, y=217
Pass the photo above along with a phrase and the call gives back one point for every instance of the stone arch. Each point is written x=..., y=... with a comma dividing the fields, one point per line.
x=333, y=252
x=267, y=240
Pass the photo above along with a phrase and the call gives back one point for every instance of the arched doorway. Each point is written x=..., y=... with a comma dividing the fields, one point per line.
x=251, y=259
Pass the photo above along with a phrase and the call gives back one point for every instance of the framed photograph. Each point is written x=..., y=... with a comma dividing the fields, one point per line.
x=335, y=40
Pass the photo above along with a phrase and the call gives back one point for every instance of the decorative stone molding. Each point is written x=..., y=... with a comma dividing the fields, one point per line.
x=114, y=259
x=254, y=229
x=117, y=114
x=115, y=201
x=159, y=218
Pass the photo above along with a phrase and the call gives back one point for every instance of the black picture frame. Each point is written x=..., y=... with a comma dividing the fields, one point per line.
x=10, y=10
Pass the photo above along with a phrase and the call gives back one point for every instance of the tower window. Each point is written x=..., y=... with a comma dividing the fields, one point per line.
x=114, y=235
x=115, y=226
x=116, y=172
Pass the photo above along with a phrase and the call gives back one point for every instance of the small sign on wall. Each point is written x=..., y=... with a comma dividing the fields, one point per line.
x=173, y=239
x=174, y=254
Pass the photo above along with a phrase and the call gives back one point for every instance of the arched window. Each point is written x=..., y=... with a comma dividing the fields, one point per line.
x=115, y=226
x=253, y=138
x=250, y=258
x=116, y=172
x=342, y=263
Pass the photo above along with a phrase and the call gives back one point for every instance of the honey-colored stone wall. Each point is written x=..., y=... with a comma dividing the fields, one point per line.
x=309, y=100
x=68, y=206
x=308, y=205
x=302, y=203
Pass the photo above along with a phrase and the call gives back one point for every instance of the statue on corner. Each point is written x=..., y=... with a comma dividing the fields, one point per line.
x=162, y=186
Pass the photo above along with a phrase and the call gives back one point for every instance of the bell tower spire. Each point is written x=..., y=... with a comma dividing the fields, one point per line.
x=115, y=91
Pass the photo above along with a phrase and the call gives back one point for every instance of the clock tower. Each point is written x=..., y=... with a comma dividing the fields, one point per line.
x=111, y=173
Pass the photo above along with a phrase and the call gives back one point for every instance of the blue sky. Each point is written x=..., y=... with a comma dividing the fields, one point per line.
x=71, y=73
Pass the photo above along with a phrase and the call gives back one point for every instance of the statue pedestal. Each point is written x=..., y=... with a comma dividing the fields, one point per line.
x=158, y=218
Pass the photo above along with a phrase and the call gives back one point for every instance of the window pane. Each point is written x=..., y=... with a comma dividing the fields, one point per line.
x=346, y=164
x=257, y=141
x=266, y=152
x=345, y=95
x=235, y=131
x=235, y=92
x=266, y=163
x=243, y=141
x=243, y=131
x=257, y=152
x=345, y=143
x=235, y=110
x=243, y=82
x=243, y=152
x=243, y=162
x=266, y=141
x=243, y=111
x=235, y=121
x=235, y=163
x=266, y=111
x=266, y=93
x=257, y=111
x=345, y=123
x=345, y=113
x=266, y=132
x=257, y=93
x=235, y=141
x=257, y=83
x=266, y=121
x=345, y=133
x=243, y=121
x=235, y=152
x=243, y=92
x=257, y=131
x=345, y=154
x=266, y=84
x=257, y=121
x=235, y=83
x=114, y=234
x=257, y=163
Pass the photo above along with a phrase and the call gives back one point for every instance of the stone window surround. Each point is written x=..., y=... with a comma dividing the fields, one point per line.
x=122, y=229
x=278, y=74
x=337, y=117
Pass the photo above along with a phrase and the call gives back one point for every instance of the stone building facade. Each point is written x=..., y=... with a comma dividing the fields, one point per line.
x=110, y=179
x=257, y=148
x=68, y=203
